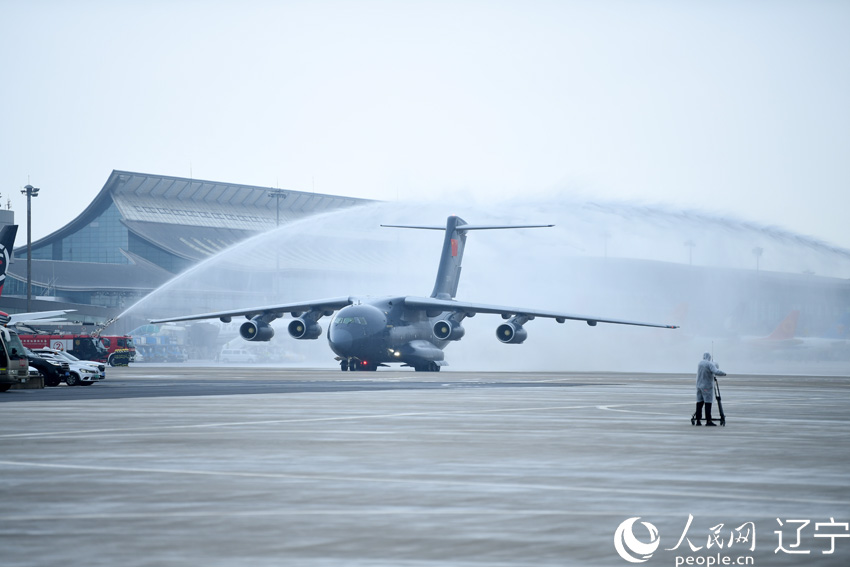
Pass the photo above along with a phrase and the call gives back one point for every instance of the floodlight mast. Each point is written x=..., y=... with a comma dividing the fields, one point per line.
x=30, y=193
x=277, y=195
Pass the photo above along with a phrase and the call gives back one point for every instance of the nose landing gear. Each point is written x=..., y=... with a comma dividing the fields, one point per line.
x=353, y=364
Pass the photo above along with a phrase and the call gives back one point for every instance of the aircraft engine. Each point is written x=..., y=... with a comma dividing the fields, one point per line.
x=301, y=329
x=448, y=330
x=511, y=333
x=256, y=330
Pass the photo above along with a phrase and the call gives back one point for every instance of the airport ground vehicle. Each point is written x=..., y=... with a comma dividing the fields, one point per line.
x=116, y=342
x=83, y=372
x=84, y=347
x=14, y=367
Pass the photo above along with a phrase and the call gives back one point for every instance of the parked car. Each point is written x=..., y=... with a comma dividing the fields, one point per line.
x=81, y=372
x=53, y=372
x=70, y=358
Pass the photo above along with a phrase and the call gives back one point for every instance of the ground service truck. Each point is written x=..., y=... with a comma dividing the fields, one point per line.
x=14, y=367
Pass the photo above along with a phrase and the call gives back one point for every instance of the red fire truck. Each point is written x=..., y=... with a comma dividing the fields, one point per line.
x=84, y=347
x=116, y=342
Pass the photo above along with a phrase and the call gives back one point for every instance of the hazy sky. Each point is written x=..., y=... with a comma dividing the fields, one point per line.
x=738, y=107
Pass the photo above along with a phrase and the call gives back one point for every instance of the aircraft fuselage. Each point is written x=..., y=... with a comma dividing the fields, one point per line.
x=382, y=331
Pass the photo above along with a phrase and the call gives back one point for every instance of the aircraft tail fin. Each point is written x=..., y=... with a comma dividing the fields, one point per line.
x=7, y=243
x=786, y=328
x=448, y=274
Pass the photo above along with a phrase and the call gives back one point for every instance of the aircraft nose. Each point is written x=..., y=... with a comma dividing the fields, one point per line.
x=341, y=339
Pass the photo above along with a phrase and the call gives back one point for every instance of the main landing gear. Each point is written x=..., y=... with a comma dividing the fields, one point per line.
x=361, y=365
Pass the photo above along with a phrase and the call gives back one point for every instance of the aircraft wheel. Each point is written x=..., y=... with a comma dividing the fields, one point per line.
x=343, y=365
x=434, y=367
x=352, y=365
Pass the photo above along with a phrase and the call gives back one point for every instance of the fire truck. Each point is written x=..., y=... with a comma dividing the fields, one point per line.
x=84, y=347
x=118, y=343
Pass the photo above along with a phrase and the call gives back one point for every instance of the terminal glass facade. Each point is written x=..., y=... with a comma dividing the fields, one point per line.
x=100, y=241
x=155, y=254
x=16, y=287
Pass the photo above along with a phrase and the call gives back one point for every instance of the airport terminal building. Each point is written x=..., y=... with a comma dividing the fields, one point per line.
x=139, y=231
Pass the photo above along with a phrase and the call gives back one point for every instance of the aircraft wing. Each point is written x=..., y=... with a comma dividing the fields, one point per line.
x=331, y=304
x=38, y=316
x=436, y=306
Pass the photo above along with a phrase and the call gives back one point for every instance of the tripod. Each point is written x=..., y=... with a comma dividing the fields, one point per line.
x=719, y=406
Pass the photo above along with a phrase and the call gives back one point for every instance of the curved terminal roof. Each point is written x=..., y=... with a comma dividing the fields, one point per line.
x=191, y=202
x=234, y=210
x=190, y=219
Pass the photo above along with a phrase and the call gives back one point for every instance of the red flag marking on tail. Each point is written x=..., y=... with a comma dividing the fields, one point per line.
x=454, y=247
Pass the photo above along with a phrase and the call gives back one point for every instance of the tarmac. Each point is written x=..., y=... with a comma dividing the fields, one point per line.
x=219, y=466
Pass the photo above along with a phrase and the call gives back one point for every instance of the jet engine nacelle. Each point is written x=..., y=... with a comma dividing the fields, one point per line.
x=511, y=333
x=447, y=330
x=255, y=330
x=301, y=329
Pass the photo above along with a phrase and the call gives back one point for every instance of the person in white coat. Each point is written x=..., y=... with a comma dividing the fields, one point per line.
x=706, y=371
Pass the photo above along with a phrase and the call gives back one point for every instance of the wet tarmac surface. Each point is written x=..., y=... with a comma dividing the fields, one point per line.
x=234, y=466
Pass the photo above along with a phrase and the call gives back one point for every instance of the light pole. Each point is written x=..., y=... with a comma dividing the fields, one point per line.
x=30, y=192
x=278, y=194
x=690, y=244
x=757, y=252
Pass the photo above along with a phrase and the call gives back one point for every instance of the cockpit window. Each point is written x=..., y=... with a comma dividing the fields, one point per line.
x=350, y=321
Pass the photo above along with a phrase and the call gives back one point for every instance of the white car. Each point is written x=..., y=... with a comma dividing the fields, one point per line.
x=84, y=372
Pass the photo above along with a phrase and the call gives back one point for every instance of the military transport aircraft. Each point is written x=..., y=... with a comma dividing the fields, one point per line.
x=371, y=332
